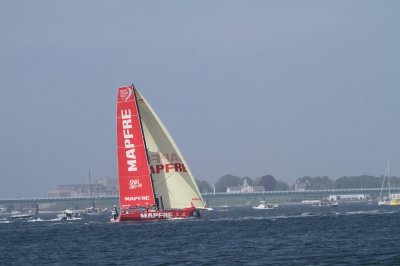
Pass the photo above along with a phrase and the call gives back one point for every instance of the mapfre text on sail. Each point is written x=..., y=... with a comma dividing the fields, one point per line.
x=126, y=117
x=176, y=165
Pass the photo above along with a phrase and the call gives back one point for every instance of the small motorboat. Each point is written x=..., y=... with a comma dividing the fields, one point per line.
x=94, y=211
x=21, y=215
x=334, y=204
x=265, y=206
x=67, y=215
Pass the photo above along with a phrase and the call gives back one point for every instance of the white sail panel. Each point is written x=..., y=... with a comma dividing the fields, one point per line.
x=173, y=182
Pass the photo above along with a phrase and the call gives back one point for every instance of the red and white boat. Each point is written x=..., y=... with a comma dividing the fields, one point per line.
x=155, y=182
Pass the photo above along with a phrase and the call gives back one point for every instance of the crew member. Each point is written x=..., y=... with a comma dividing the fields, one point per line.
x=115, y=212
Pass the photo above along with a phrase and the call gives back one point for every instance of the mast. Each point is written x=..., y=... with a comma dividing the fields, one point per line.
x=144, y=140
x=91, y=192
x=388, y=174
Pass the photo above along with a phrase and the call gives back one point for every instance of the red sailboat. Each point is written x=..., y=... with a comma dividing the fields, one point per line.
x=155, y=182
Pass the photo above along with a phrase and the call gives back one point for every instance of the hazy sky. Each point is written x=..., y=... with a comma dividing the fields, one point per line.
x=288, y=88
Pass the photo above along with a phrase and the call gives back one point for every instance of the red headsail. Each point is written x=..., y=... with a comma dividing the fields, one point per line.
x=135, y=186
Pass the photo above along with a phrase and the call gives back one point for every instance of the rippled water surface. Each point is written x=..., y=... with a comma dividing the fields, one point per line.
x=292, y=234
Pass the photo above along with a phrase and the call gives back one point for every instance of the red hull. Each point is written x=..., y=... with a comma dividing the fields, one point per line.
x=151, y=215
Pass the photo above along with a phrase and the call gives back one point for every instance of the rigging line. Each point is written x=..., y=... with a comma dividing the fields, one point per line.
x=384, y=179
x=388, y=174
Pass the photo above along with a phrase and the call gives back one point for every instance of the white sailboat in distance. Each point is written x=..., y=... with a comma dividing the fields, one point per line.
x=389, y=200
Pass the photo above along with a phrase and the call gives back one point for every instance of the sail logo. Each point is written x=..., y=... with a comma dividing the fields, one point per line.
x=136, y=198
x=163, y=158
x=126, y=119
x=134, y=184
x=167, y=168
x=125, y=93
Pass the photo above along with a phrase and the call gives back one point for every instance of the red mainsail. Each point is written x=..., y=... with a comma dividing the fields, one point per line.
x=135, y=184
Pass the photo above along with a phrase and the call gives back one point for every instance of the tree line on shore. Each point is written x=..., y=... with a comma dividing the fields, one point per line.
x=303, y=183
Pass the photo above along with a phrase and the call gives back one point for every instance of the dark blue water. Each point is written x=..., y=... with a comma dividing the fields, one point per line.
x=292, y=235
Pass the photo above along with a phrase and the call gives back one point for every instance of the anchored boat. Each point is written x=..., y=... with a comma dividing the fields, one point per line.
x=265, y=206
x=390, y=199
x=155, y=182
x=21, y=215
x=93, y=210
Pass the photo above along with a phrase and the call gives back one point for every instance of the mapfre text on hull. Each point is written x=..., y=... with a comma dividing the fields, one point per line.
x=151, y=215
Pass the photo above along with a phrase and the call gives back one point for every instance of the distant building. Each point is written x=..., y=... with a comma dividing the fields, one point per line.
x=347, y=197
x=300, y=185
x=100, y=187
x=395, y=196
x=245, y=188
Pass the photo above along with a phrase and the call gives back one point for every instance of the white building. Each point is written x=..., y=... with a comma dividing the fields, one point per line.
x=100, y=187
x=347, y=197
x=246, y=188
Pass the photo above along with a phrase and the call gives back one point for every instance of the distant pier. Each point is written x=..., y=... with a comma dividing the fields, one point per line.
x=212, y=199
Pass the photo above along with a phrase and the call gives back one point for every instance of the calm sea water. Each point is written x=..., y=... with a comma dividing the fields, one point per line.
x=290, y=235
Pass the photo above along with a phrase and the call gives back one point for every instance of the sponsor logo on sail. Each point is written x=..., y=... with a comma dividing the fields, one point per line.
x=164, y=158
x=125, y=93
x=166, y=162
x=126, y=119
x=136, y=198
x=167, y=168
x=134, y=184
